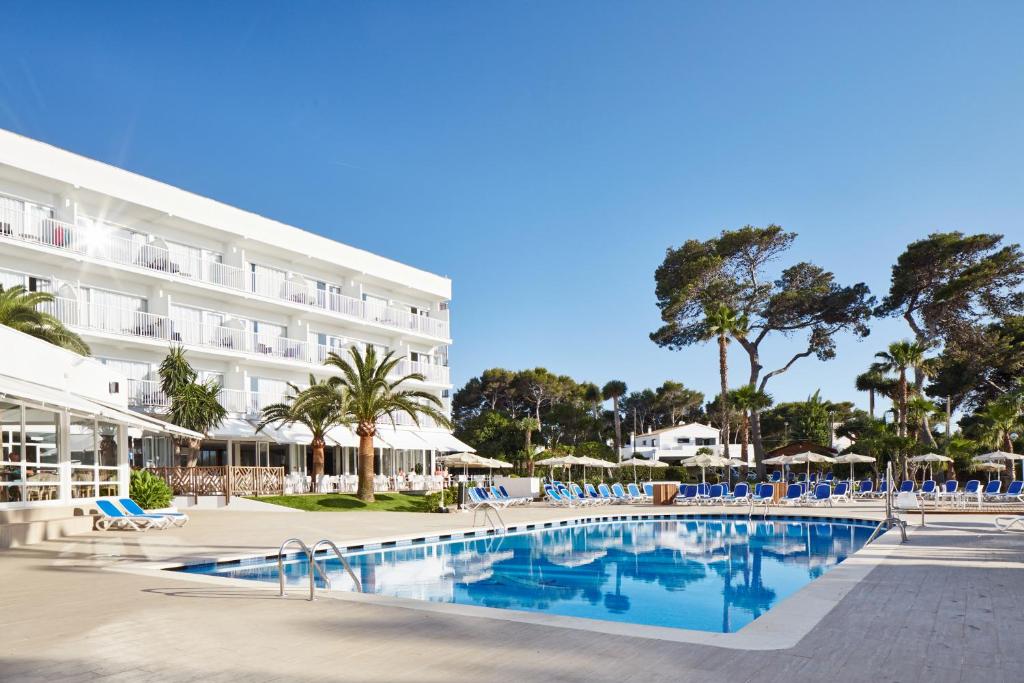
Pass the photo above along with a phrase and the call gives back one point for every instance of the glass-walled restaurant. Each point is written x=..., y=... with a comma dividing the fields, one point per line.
x=58, y=456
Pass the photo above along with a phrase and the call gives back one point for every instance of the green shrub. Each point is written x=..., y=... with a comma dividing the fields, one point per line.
x=437, y=500
x=149, y=491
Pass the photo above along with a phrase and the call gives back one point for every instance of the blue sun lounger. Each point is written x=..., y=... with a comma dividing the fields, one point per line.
x=112, y=517
x=841, y=492
x=822, y=495
x=741, y=494
x=133, y=508
x=621, y=495
x=865, y=489
x=687, y=494
x=763, y=493
x=992, y=490
x=1014, y=493
x=794, y=493
x=556, y=499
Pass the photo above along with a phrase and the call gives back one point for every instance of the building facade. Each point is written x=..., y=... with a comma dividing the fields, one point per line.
x=65, y=428
x=137, y=266
x=673, y=444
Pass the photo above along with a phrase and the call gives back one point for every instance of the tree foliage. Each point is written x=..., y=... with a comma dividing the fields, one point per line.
x=194, y=405
x=20, y=310
x=732, y=269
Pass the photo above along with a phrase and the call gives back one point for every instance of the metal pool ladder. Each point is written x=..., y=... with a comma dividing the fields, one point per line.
x=314, y=568
x=488, y=508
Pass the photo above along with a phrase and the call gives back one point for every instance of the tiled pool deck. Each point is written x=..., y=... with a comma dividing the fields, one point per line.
x=947, y=606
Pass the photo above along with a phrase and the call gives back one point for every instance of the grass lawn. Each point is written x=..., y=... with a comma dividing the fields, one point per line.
x=342, y=502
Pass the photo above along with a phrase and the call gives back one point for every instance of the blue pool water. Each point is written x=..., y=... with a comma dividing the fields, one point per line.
x=706, y=574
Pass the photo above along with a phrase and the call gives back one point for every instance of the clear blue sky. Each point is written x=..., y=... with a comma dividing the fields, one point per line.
x=544, y=154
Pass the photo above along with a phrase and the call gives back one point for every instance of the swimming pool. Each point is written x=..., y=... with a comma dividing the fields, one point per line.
x=708, y=574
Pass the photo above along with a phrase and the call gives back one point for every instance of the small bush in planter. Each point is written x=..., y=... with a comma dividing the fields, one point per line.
x=149, y=491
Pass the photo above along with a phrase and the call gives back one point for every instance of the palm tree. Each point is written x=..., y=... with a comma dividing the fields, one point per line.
x=194, y=405
x=721, y=322
x=999, y=420
x=614, y=390
x=748, y=400
x=319, y=417
x=918, y=410
x=901, y=356
x=529, y=425
x=19, y=310
x=369, y=396
x=873, y=381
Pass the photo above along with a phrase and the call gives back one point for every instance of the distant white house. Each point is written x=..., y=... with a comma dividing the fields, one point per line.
x=672, y=444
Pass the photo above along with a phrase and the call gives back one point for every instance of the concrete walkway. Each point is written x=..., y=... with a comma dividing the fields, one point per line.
x=944, y=607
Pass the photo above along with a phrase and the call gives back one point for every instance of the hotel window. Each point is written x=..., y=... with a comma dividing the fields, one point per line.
x=197, y=326
x=264, y=391
x=94, y=455
x=267, y=281
x=41, y=448
x=328, y=296
x=119, y=313
x=265, y=336
x=376, y=307
x=12, y=476
x=683, y=439
x=31, y=283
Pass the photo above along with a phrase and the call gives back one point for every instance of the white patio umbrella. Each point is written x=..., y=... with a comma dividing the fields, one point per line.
x=493, y=464
x=930, y=459
x=586, y=461
x=996, y=456
x=705, y=460
x=640, y=462
x=559, y=461
x=989, y=467
x=809, y=457
x=853, y=458
x=465, y=461
x=783, y=460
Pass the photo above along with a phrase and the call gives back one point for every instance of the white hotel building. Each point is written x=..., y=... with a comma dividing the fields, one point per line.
x=137, y=265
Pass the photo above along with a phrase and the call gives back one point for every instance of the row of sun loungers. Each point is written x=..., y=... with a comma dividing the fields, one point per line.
x=495, y=495
x=930, y=490
x=130, y=515
x=572, y=494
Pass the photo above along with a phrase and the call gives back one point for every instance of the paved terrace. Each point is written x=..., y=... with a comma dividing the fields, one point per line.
x=947, y=606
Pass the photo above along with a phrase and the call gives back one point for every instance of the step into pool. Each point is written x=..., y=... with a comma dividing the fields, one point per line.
x=706, y=574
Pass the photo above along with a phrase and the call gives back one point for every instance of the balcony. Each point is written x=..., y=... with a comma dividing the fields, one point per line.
x=96, y=243
x=127, y=322
x=146, y=394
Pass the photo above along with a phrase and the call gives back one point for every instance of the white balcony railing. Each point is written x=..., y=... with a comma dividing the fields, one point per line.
x=128, y=322
x=93, y=241
x=146, y=394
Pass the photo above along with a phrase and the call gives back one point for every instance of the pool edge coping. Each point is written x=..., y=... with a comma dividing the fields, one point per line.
x=782, y=627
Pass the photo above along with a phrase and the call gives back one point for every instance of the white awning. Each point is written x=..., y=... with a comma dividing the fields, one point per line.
x=401, y=438
x=149, y=423
x=443, y=441
x=344, y=436
x=44, y=396
x=289, y=433
x=236, y=429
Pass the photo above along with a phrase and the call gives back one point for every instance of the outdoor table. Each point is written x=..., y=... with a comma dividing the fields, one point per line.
x=779, y=491
x=665, y=494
